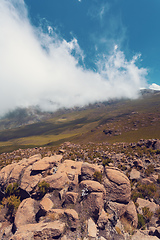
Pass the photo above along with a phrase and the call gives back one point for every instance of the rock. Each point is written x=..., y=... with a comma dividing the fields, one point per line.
x=46, y=204
x=117, y=186
x=94, y=203
x=71, y=197
x=26, y=213
x=55, y=214
x=138, y=163
x=72, y=218
x=28, y=181
x=92, y=229
x=57, y=181
x=41, y=165
x=146, y=181
x=156, y=145
x=5, y=173
x=88, y=170
x=139, y=235
x=131, y=214
x=102, y=238
x=6, y=232
x=134, y=174
x=72, y=169
x=102, y=220
x=92, y=186
x=46, y=163
x=118, y=208
x=40, y=231
x=145, y=203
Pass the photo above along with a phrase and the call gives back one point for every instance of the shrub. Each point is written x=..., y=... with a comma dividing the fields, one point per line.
x=43, y=188
x=147, y=213
x=118, y=230
x=107, y=161
x=141, y=221
x=149, y=170
x=147, y=190
x=135, y=195
x=158, y=213
x=97, y=176
x=11, y=203
x=12, y=189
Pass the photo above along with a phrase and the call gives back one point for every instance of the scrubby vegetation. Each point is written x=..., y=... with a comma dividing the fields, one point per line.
x=43, y=188
x=11, y=200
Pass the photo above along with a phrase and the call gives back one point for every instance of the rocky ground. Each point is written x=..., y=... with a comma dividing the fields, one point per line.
x=93, y=191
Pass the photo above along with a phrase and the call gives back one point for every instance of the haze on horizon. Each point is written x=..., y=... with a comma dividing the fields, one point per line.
x=39, y=67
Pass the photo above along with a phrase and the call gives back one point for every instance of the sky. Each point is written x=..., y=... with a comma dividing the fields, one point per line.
x=67, y=53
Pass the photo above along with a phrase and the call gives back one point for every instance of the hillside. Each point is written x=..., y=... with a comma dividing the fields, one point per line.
x=113, y=121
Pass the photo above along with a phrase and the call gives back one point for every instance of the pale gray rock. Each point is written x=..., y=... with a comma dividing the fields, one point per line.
x=92, y=229
x=117, y=186
x=134, y=174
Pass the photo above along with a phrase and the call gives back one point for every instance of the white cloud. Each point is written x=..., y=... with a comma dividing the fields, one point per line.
x=154, y=86
x=42, y=69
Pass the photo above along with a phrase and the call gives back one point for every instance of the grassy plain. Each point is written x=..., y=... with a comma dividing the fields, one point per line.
x=129, y=121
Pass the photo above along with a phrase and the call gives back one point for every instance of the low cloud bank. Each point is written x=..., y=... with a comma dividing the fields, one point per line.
x=154, y=86
x=38, y=68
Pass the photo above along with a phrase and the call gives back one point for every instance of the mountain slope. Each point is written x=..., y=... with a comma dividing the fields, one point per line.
x=114, y=121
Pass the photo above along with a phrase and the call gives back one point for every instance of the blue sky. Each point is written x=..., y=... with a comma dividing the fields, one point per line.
x=134, y=25
x=66, y=53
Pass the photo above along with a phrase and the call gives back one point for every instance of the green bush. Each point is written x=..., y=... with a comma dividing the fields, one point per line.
x=158, y=213
x=141, y=221
x=135, y=195
x=43, y=188
x=97, y=176
x=12, y=189
x=149, y=170
x=147, y=214
x=147, y=190
x=11, y=203
x=107, y=161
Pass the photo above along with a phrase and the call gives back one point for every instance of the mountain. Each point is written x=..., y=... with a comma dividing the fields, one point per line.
x=113, y=121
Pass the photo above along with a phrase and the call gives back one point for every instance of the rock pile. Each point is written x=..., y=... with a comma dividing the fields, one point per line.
x=47, y=196
x=84, y=200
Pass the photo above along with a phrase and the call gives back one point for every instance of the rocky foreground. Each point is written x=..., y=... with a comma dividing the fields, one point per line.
x=105, y=195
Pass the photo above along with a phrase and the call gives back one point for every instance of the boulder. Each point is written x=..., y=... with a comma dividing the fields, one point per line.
x=40, y=231
x=102, y=220
x=88, y=170
x=5, y=173
x=55, y=214
x=117, y=186
x=131, y=214
x=72, y=169
x=26, y=213
x=46, y=163
x=46, y=204
x=92, y=186
x=71, y=197
x=28, y=181
x=94, y=204
x=72, y=218
x=139, y=235
x=145, y=203
x=117, y=208
x=57, y=181
x=156, y=145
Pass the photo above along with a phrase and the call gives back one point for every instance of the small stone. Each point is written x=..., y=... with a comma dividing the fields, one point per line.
x=92, y=229
x=46, y=204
